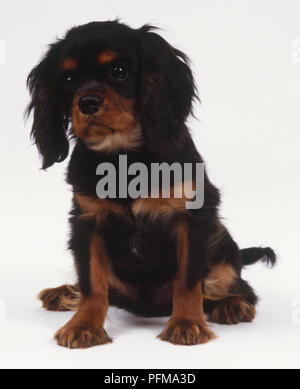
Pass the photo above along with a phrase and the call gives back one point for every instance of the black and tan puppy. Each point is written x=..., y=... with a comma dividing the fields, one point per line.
x=118, y=90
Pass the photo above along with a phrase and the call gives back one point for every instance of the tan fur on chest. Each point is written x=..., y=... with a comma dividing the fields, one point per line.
x=164, y=207
x=93, y=207
x=154, y=208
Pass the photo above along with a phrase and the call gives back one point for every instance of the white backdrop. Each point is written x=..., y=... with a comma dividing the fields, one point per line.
x=246, y=59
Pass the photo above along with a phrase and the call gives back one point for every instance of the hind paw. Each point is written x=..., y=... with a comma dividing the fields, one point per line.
x=233, y=310
x=62, y=298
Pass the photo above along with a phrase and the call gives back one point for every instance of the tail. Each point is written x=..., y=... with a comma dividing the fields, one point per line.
x=254, y=254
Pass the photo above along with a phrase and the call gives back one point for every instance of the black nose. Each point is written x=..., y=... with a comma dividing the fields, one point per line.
x=89, y=104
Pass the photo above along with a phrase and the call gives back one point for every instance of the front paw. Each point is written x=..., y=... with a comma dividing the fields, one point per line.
x=186, y=332
x=81, y=336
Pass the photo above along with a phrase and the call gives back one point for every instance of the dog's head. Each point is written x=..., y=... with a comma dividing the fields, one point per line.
x=115, y=87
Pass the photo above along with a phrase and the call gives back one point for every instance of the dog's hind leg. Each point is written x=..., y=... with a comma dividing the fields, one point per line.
x=228, y=298
x=63, y=298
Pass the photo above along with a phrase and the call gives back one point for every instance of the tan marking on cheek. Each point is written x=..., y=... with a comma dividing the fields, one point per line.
x=69, y=63
x=106, y=57
x=118, y=112
x=218, y=281
x=79, y=122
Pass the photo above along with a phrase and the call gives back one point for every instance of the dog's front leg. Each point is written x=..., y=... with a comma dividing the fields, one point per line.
x=187, y=325
x=85, y=329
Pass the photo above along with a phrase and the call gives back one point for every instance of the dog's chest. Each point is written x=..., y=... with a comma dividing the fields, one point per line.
x=139, y=237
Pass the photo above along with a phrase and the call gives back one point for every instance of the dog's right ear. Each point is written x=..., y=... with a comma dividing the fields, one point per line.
x=50, y=121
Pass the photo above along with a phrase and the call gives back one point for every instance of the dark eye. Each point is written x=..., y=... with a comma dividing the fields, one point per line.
x=118, y=72
x=68, y=83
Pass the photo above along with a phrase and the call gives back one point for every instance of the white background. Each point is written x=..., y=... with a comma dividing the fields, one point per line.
x=246, y=60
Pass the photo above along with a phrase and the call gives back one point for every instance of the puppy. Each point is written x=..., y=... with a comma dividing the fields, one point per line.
x=122, y=91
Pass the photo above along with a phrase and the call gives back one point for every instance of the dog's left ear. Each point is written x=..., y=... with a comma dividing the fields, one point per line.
x=50, y=121
x=167, y=90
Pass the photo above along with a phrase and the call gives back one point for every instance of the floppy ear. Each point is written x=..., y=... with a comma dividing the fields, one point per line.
x=167, y=91
x=50, y=121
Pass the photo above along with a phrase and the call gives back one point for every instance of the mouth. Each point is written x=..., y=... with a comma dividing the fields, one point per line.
x=93, y=128
x=101, y=125
x=96, y=132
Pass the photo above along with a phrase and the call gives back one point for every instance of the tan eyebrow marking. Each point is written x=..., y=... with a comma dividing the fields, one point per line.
x=69, y=63
x=106, y=56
